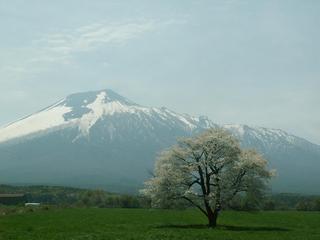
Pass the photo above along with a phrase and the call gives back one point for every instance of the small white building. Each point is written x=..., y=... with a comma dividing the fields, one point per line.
x=32, y=204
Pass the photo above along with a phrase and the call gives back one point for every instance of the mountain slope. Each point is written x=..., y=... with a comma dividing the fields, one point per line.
x=297, y=160
x=101, y=139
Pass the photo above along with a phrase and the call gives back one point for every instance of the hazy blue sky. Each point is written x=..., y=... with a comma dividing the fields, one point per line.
x=255, y=62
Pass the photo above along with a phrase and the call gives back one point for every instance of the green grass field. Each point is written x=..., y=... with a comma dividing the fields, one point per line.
x=94, y=224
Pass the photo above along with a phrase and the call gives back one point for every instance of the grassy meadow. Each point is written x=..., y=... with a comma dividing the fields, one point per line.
x=96, y=224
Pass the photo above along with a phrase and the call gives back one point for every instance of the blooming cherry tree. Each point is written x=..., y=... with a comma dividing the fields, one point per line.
x=207, y=171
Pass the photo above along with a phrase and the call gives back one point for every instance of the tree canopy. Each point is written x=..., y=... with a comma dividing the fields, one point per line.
x=207, y=171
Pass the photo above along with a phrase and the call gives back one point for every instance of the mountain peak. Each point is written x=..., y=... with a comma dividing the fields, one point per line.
x=79, y=109
x=86, y=98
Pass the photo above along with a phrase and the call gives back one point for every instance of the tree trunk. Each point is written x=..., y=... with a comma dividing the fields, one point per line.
x=212, y=218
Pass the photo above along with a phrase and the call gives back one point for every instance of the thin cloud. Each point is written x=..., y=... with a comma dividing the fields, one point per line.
x=62, y=46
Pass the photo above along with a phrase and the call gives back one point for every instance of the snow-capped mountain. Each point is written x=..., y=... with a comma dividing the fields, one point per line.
x=101, y=139
x=83, y=110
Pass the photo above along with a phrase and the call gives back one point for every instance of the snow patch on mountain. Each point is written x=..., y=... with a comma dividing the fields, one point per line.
x=266, y=136
x=103, y=106
x=184, y=119
x=46, y=119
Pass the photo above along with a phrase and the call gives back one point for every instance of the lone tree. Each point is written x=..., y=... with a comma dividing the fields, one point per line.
x=208, y=171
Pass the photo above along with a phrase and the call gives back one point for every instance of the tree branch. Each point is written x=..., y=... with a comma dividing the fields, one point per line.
x=196, y=205
x=192, y=183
